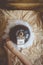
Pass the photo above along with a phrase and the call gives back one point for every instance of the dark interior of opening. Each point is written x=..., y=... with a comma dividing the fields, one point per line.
x=13, y=31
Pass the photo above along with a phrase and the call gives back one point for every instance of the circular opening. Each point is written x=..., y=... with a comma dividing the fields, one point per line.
x=20, y=31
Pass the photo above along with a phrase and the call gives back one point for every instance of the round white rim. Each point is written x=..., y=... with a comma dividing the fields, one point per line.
x=13, y=23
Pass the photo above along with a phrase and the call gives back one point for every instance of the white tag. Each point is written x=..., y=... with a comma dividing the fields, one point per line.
x=20, y=41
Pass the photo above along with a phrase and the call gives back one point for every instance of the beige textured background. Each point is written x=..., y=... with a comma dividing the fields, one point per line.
x=35, y=52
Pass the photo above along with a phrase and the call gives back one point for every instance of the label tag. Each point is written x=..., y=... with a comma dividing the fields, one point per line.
x=20, y=41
